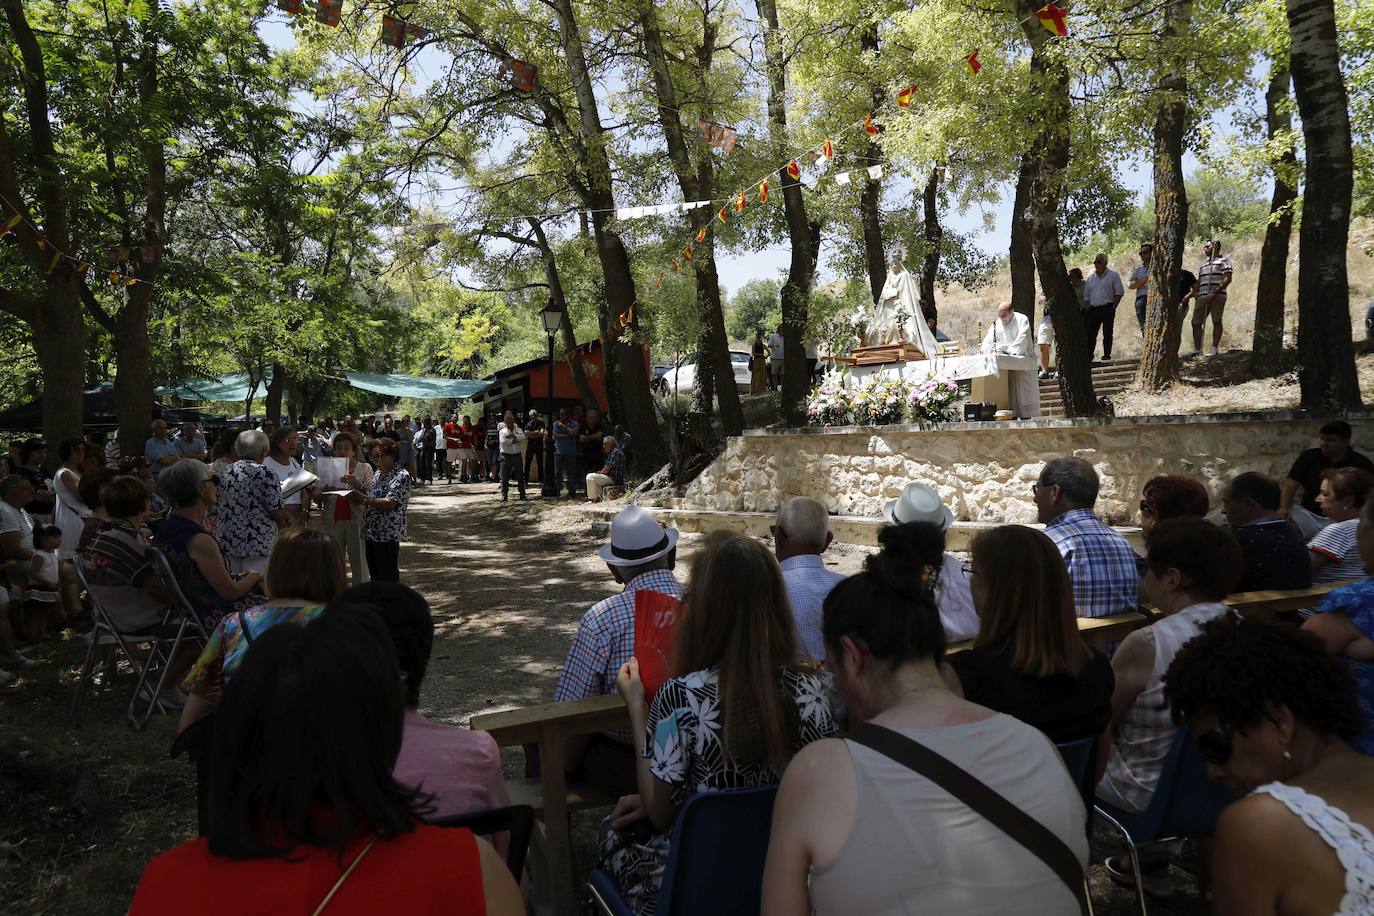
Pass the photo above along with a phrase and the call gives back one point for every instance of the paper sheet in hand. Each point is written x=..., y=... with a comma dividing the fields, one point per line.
x=331, y=471
x=297, y=482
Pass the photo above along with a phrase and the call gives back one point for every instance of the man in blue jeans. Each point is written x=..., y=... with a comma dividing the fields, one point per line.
x=564, y=452
x=1140, y=281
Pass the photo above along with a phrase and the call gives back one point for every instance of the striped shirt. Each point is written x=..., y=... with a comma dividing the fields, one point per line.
x=1102, y=565
x=1336, y=542
x=1211, y=274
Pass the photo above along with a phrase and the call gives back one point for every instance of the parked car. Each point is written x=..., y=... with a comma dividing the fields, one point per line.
x=684, y=376
x=656, y=382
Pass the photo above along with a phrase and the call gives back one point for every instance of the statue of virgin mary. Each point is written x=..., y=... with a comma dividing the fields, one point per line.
x=897, y=316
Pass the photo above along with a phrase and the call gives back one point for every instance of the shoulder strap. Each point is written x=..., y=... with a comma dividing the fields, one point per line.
x=243, y=626
x=965, y=787
x=344, y=877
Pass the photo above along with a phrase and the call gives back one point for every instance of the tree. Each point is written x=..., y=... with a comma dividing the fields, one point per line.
x=1326, y=373
x=754, y=305
x=1272, y=282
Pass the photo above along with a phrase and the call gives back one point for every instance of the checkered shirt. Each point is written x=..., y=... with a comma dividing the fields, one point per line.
x=605, y=641
x=1102, y=565
x=808, y=582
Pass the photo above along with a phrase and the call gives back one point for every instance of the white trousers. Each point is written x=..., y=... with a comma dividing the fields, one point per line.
x=596, y=482
x=348, y=534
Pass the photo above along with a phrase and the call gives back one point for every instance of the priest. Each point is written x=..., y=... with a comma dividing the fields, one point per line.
x=1010, y=336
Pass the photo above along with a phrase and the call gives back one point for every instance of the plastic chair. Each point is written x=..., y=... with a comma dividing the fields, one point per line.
x=1080, y=757
x=1185, y=804
x=515, y=820
x=715, y=860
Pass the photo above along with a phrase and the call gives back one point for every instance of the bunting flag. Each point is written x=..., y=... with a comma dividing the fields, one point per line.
x=41, y=239
x=329, y=12
x=114, y=278
x=9, y=225
x=117, y=255
x=660, y=280
x=687, y=253
x=627, y=316
x=719, y=136
x=701, y=236
x=740, y=202
x=291, y=6
x=763, y=192
x=52, y=265
x=720, y=215
x=828, y=150
x=875, y=172
x=523, y=75
x=869, y=126
x=1054, y=18
x=842, y=178
x=904, y=97
x=677, y=266
x=972, y=60
x=395, y=32
x=130, y=281
x=794, y=170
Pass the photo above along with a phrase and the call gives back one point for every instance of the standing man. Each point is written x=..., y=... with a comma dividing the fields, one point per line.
x=1333, y=451
x=1212, y=279
x=426, y=440
x=775, y=359
x=1044, y=339
x=453, y=450
x=1010, y=336
x=160, y=451
x=564, y=452
x=192, y=443
x=800, y=535
x=1140, y=281
x=1102, y=292
x=510, y=437
x=534, y=446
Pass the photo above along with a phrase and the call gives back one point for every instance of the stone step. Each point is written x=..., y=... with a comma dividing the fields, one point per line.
x=847, y=529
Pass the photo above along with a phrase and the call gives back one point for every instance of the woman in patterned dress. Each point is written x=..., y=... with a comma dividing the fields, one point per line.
x=384, y=525
x=740, y=705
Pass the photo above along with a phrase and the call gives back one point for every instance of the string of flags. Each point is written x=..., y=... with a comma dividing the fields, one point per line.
x=116, y=256
x=396, y=32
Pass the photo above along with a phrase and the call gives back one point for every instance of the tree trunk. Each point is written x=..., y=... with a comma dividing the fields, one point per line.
x=804, y=235
x=59, y=343
x=1050, y=154
x=1021, y=253
x=1163, y=323
x=1326, y=373
x=627, y=377
x=133, y=384
x=274, y=389
x=1267, y=350
x=933, y=236
x=704, y=377
x=870, y=215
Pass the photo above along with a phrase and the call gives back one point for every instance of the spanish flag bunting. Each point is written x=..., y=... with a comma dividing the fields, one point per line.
x=329, y=11
x=828, y=150
x=972, y=60
x=131, y=281
x=659, y=285
x=794, y=170
x=870, y=126
x=904, y=97
x=740, y=202
x=10, y=223
x=627, y=316
x=687, y=253
x=42, y=241
x=56, y=259
x=1054, y=18
x=114, y=278
x=83, y=266
x=763, y=192
x=291, y=6
x=677, y=266
x=701, y=236
x=720, y=215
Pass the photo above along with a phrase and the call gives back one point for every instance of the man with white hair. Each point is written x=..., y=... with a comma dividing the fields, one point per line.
x=250, y=507
x=1010, y=335
x=800, y=535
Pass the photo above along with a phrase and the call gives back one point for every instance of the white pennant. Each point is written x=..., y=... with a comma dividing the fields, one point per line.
x=842, y=178
x=875, y=172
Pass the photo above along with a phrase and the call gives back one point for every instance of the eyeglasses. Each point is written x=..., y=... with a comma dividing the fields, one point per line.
x=1146, y=507
x=968, y=570
x=1216, y=745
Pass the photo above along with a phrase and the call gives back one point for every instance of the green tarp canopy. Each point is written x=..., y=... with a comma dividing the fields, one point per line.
x=235, y=387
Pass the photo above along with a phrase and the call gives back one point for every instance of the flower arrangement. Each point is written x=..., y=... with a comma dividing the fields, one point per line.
x=830, y=403
x=879, y=401
x=932, y=400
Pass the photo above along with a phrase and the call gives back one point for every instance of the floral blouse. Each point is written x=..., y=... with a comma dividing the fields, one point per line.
x=248, y=495
x=224, y=650
x=388, y=524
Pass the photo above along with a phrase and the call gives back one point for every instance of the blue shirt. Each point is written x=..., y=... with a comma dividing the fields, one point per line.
x=566, y=446
x=156, y=448
x=808, y=582
x=194, y=446
x=1102, y=565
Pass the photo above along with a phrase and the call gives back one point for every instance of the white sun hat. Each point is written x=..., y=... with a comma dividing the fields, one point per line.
x=636, y=538
x=918, y=503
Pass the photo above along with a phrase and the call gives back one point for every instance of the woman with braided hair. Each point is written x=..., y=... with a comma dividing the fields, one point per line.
x=1271, y=714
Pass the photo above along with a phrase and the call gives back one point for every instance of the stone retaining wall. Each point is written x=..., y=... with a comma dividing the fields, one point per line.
x=984, y=471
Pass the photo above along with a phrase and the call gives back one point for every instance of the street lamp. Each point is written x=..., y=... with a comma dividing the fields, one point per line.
x=552, y=318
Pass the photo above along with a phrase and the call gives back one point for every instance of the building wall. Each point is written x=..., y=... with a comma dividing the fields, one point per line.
x=984, y=472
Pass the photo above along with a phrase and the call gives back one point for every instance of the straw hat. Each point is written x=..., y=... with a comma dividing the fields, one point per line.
x=636, y=539
x=918, y=503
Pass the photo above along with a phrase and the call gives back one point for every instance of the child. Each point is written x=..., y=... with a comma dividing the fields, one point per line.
x=41, y=600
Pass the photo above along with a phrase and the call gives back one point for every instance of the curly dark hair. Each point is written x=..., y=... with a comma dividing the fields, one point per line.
x=408, y=620
x=1238, y=670
x=1176, y=496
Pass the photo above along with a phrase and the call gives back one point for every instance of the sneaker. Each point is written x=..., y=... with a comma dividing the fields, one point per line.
x=1211, y=351
x=1044, y=374
x=1157, y=886
x=1191, y=353
x=18, y=661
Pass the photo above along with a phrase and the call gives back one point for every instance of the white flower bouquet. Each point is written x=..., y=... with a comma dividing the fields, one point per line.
x=932, y=400
x=830, y=403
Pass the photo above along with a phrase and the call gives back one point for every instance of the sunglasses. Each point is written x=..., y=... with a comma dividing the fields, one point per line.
x=1146, y=507
x=1216, y=745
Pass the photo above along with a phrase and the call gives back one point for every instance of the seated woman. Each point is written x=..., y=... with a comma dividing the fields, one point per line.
x=1344, y=622
x=460, y=769
x=1028, y=660
x=305, y=814
x=92, y=482
x=919, y=506
x=856, y=832
x=1271, y=714
x=189, y=488
x=1332, y=550
x=737, y=708
x=1172, y=496
x=306, y=571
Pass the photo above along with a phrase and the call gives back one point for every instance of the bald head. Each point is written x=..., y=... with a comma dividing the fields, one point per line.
x=1004, y=312
x=803, y=526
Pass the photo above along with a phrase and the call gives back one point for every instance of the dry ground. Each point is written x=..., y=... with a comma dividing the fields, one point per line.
x=83, y=807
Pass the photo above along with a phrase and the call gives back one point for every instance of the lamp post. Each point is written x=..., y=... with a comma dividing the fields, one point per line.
x=551, y=318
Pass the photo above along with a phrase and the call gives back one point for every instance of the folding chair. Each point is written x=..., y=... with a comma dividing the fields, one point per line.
x=1185, y=805
x=715, y=860
x=1080, y=757
x=516, y=820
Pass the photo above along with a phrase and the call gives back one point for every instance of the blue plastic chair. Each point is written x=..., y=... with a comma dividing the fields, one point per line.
x=715, y=860
x=1080, y=757
x=1185, y=804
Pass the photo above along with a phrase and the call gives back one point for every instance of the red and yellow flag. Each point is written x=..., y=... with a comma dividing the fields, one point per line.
x=904, y=97
x=794, y=170
x=114, y=278
x=869, y=126
x=828, y=149
x=329, y=12
x=660, y=280
x=687, y=253
x=972, y=60
x=720, y=214
x=740, y=202
x=627, y=316
x=677, y=266
x=763, y=192
x=701, y=236
x=1054, y=18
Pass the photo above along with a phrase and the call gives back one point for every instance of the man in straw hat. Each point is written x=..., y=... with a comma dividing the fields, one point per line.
x=919, y=505
x=640, y=556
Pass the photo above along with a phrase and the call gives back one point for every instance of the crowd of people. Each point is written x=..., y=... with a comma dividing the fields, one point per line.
x=761, y=667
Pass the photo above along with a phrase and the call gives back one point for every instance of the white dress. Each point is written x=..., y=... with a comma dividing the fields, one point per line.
x=1352, y=842
x=68, y=513
x=900, y=298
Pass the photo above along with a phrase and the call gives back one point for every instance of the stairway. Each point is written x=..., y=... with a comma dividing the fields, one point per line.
x=1108, y=379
